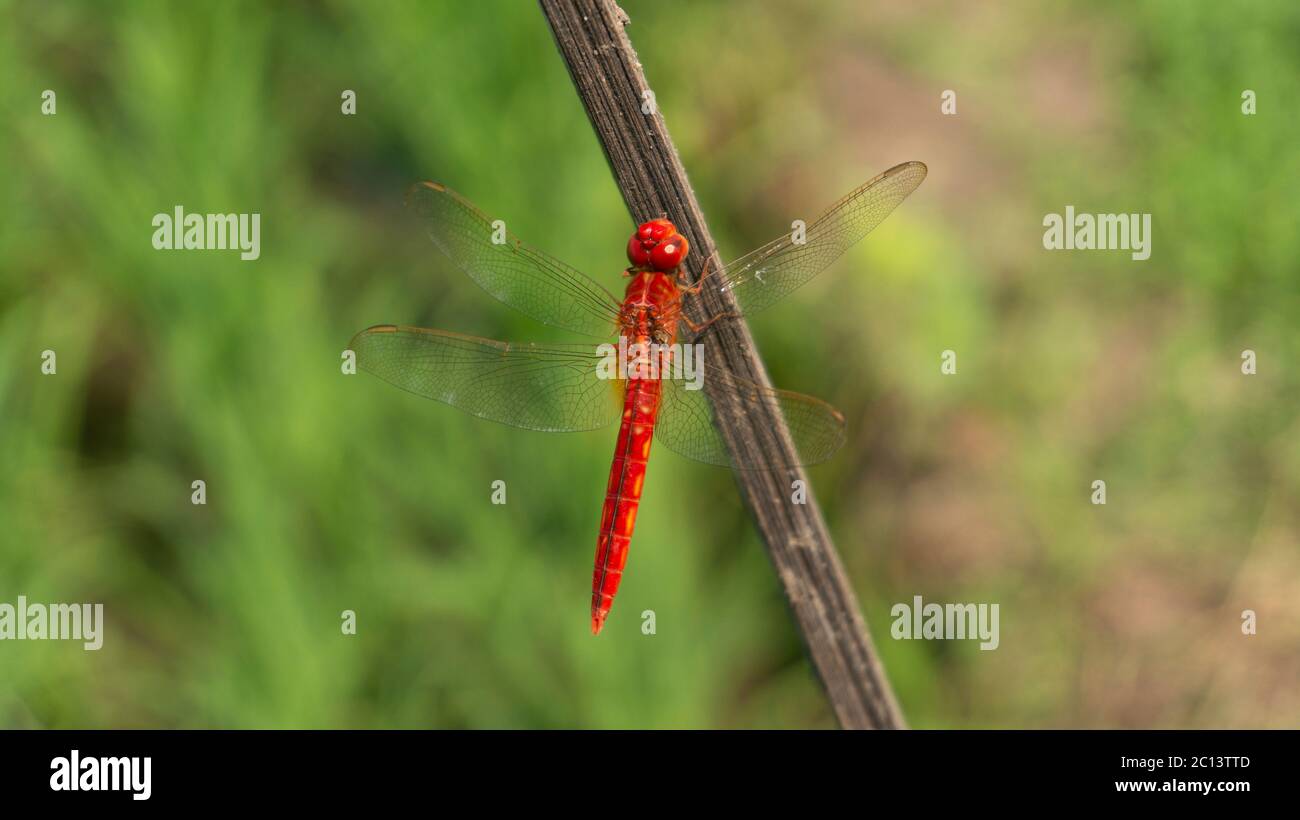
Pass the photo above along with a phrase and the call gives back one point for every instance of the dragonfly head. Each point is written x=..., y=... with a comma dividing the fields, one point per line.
x=657, y=245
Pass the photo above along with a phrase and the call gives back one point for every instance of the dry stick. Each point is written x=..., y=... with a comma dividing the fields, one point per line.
x=650, y=176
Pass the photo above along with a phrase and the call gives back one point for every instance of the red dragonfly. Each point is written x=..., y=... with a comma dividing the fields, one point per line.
x=568, y=387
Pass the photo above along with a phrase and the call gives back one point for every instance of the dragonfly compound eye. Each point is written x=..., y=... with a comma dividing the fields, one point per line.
x=667, y=255
x=656, y=230
x=638, y=251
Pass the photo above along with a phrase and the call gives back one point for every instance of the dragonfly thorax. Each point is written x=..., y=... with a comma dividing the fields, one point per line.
x=657, y=245
x=650, y=307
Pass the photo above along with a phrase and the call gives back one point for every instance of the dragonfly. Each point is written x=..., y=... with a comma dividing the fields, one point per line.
x=576, y=387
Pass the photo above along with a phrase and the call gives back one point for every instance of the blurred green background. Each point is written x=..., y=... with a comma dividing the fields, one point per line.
x=329, y=492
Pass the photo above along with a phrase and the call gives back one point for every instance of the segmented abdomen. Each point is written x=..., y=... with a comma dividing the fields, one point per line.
x=623, y=494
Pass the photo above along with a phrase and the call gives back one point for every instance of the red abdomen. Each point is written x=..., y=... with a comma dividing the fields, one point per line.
x=623, y=494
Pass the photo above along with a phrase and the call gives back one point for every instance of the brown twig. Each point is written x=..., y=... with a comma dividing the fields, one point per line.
x=609, y=79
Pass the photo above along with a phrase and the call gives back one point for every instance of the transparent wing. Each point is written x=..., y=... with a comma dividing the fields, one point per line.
x=768, y=273
x=523, y=277
x=538, y=387
x=686, y=420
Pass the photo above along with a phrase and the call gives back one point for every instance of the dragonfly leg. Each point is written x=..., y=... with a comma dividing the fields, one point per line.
x=694, y=290
x=702, y=326
x=699, y=283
